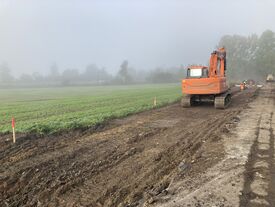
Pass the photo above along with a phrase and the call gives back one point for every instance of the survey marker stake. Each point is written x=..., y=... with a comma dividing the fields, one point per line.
x=155, y=101
x=13, y=130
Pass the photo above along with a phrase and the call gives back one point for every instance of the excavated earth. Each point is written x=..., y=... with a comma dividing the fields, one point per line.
x=170, y=156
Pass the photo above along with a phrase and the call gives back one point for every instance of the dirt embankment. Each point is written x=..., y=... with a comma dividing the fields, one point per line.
x=130, y=162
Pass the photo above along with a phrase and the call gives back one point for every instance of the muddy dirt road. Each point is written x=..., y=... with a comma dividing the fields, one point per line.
x=245, y=175
x=168, y=156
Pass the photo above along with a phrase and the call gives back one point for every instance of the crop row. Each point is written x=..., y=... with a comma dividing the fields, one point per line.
x=49, y=110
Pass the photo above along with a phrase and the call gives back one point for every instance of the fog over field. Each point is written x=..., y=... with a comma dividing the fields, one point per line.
x=148, y=33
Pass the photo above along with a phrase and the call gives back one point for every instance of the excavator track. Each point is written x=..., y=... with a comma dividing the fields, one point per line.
x=223, y=100
x=186, y=101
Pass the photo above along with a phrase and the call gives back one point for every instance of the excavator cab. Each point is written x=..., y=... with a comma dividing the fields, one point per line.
x=197, y=72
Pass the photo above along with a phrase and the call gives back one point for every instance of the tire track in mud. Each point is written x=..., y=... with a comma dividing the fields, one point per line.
x=259, y=175
x=172, y=157
x=165, y=167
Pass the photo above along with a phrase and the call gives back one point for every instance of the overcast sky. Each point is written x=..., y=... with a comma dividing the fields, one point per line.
x=148, y=33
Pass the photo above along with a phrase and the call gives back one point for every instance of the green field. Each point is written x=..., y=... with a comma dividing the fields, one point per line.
x=49, y=110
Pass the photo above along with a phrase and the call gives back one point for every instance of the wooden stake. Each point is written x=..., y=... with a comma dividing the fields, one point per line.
x=13, y=130
x=155, y=101
x=13, y=135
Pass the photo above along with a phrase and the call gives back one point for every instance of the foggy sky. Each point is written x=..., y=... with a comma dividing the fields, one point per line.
x=148, y=33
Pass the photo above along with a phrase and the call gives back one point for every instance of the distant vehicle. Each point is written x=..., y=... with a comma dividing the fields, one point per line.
x=207, y=83
x=270, y=78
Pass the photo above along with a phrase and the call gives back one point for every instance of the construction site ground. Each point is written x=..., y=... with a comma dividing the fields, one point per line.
x=170, y=156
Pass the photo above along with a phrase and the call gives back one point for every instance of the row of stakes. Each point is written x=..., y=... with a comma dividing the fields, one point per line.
x=13, y=122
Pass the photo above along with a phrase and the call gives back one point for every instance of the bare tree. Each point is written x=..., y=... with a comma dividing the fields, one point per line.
x=124, y=74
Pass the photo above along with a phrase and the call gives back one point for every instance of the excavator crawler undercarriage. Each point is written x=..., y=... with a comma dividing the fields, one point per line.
x=221, y=101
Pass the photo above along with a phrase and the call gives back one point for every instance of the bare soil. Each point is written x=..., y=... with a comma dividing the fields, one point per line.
x=147, y=159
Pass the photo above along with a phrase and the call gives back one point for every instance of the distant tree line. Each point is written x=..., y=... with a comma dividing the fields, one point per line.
x=251, y=57
x=92, y=75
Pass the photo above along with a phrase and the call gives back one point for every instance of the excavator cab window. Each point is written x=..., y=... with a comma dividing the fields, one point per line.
x=197, y=72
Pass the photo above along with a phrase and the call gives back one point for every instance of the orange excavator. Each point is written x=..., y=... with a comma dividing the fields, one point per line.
x=207, y=83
